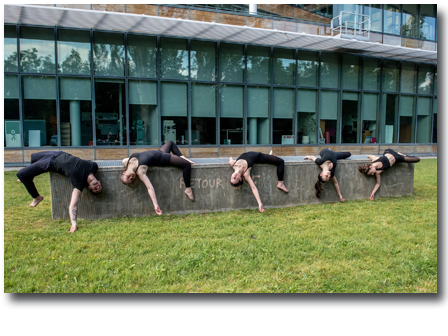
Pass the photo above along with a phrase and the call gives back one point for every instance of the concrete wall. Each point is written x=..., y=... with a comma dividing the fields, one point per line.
x=213, y=192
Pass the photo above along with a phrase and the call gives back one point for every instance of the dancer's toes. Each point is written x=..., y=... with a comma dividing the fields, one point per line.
x=36, y=201
x=270, y=153
x=73, y=229
x=189, y=193
x=19, y=181
x=281, y=186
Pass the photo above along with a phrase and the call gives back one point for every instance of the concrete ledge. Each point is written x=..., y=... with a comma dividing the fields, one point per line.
x=210, y=179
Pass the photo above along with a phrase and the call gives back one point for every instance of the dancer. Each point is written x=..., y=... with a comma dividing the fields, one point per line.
x=138, y=163
x=382, y=163
x=328, y=162
x=244, y=163
x=80, y=172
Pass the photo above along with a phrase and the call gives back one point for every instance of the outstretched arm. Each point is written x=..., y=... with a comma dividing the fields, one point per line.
x=142, y=175
x=124, y=162
x=231, y=161
x=336, y=185
x=377, y=186
x=310, y=158
x=254, y=191
x=73, y=209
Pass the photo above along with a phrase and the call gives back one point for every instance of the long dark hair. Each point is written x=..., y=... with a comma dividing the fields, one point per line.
x=318, y=186
x=238, y=183
x=364, y=168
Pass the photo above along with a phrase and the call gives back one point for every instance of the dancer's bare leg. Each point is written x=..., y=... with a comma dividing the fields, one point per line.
x=189, y=193
x=36, y=201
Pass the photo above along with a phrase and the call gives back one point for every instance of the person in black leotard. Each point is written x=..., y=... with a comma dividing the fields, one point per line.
x=328, y=162
x=382, y=163
x=244, y=163
x=138, y=163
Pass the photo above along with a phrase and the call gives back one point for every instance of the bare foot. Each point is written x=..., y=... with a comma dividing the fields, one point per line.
x=73, y=229
x=189, y=193
x=183, y=157
x=270, y=153
x=36, y=201
x=19, y=181
x=281, y=186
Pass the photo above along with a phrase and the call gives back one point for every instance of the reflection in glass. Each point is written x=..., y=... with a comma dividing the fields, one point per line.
x=407, y=108
x=110, y=112
x=174, y=111
x=108, y=54
x=75, y=107
x=143, y=113
x=370, y=116
x=37, y=50
x=428, y=22
x=174, y=58
x=142, y=54
x=232, y=107
x=307, y=107
x=408, y=77
x=39, y=111
x=284, y=64
x=392, y=20
x=372, y=72
x=10, y=49
x=203, y=60
x=434, y=124
x=258, y=64
x=329, y=70
x=11, y=112
x=376, y=16
x=351, y=114
x=283, y=114
x=329, y=116
x=351, y=72
x=73, y=52
x=391, y=76
x=389, y=118
x=203, y=114
x=425, y=79
x=231, y=62
x=424, y=114
x=410, y=20
x=307, y=68
x=258, y=115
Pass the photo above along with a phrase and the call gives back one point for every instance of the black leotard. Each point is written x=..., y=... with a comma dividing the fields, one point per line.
x=385, y=160
x=250, y=157
x=257, y=157
x=151, y=158
x=327, y=154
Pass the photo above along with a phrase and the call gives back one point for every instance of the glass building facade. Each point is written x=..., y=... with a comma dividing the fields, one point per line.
x=86, y=88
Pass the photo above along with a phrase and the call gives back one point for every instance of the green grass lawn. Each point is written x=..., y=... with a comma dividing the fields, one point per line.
x=384, y=246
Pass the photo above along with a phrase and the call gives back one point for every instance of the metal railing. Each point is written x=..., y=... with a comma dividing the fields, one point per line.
x=351, y=25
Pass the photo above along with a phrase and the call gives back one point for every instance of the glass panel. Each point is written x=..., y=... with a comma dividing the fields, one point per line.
x=351, y=114
x=283, y=116
x=74, y=52
x=10, y=49
x=391, y=76
x=434, y=125
x=408, y=77
x=231, y=62
x=389, y=119
x=410, y=20
x=372, y=72
x=424, y=115
x=435, y=82
x=203, y=114
x=392, y=19
x=258, y=64
x=143, y=113
x=428, y=22
x=407, y=109
x=174, y=113
x=307, y=68
x=329, y=116
x=11, y=112
x=425, y=79
x=376, y=17
x=258, y=106
x=284, y=66
x=75, y=107
x=329, y=70
x=351, y=72
x=370, y=116
x=110, y=112
x=307, y=106
x=142, y=52
x=232, y=107
x=174, y=58
x=203, y=60
x=108, y=54
x=37, y=50
x=39, y=111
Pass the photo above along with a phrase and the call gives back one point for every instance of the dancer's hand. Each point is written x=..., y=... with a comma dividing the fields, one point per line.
x=260, y=207
x=372, y=197
x=341, y=199
x=157, y=209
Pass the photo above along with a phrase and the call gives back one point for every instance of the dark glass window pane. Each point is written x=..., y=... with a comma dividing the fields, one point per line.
x=108, y=53
x=232, y=109
x=389, y=118
x=203, y=60
x=174, y=110
x=424, y=114
x=376, y=16
x=407, y=112
x=11, y=112
x=74, y=52
x=351, y=72
x=351, y=114
x=329, y=70
x=231, y=62
x=258, y=65
x=408, y=77
x=392, y=20
x=142, y=53
x=258, y=108
x=284, y=64
x=370, y=117
x=283, y=116
x=410, y=20
x=425, y=79
x=307, y=68
x=174, y=58
x=37, y=50
x=391, y=76
x=329, y=116
x=10, y=49
x=372, y=72
x=203, y=114
x=307, y=107
x=428, y=22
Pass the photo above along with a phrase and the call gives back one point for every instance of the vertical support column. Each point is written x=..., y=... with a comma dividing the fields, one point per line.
x=253, y=9
x=75, y=122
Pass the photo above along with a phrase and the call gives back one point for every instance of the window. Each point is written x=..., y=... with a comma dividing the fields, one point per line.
x=174, y=58
x=10, y=49
x=307, y=68
x=284, y=65
x=376, y=17
x=37, y=50
x=424, y=109
x=307, y=107
x=370, y=117
x=392, y=20
x=389, y=118
x=232, y=112
x=108, y=54
x=231, y=62
x=74, y=52
x=391, y=76
x=258, y=107
x=174, y=112
x=351, y=72
x=329, y=116
x=408, y=77
x=351, y=114
x=142, y=53
x=428, y=22
x=407, y=109
x=372, y=72
x=410, y=20
x=11, y=112
x=203, y=61
x=434, y=124
x=329, y=70
x=203, y=114
x=283, y=116
x=425, y=79
x=258, y=65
